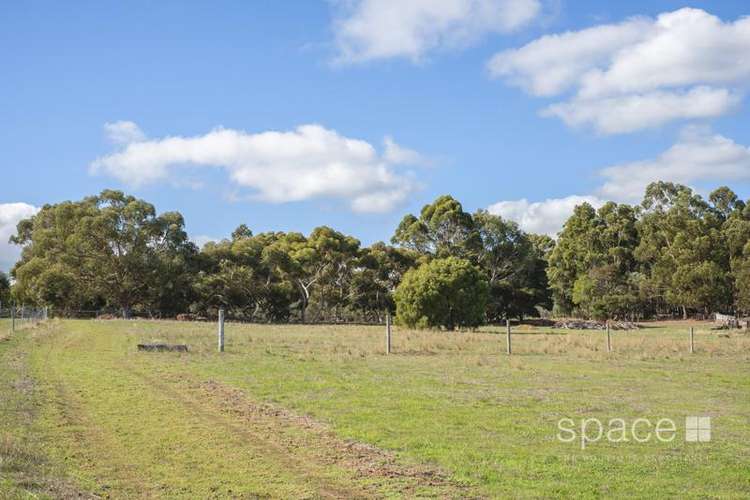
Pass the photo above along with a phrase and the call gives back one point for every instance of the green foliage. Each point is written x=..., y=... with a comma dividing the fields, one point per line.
x=591, y=268
x=4, y=289
x=683, y=250
x=110, y=250
x=449, y=293
x=443, y=229
x=675, y=252
x=514, y=267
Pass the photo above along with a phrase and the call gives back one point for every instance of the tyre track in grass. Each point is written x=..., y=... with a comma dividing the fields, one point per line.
x=101, y=452
x=79, y=428
x=318, y=463
x=31, y=468
x=311, y=473
x=304, y=446
x=86, y=440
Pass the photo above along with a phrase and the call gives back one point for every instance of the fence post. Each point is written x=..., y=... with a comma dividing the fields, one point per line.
x=609, y=339
x=387, y=333
x=221, y=330
x=692, y=341
x=507, y=335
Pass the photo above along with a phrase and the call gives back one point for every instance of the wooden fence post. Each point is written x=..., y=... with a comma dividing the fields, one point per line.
x=221, y=330
x=692, y=341
x=387, y=333
x=507, y=336
x=609, y=339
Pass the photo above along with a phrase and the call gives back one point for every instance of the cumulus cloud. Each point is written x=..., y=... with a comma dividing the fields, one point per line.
x=399, y=155
x=628, y=113
x=699, y=156
x=308, y=162
x=553, y=64
x=10, y=215
x=542, y=217
x=636, y=74
x=378, y=29
x=123, y=132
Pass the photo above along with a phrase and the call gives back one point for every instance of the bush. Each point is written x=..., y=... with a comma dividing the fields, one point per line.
x=447, y=293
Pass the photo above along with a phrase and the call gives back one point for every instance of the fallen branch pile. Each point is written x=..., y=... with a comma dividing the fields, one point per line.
x=575, y=324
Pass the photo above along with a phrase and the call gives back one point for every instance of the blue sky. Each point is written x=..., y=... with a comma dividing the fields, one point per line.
x=454, y=84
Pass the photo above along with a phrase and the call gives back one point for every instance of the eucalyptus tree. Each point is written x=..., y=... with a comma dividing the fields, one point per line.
x=682, y=249
x=4, y=289
x=379, y=270
x=572, y=256
x=514, y=268
x=106, y=250
x=735, y=218
x=319, y=266
x=592, y=268
x=442, y=229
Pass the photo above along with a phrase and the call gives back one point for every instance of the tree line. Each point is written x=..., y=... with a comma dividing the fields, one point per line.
x=673, y=254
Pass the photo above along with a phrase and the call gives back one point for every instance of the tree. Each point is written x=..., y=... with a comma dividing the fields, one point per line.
x=235, y=275
x=443, y=229
x=241, y=232
x=736, y=233
x=378, y=272
x=449, y=293
x=109, y=250
x=322, y=261
x=514, y=269
x=683, y=249
x=4, y=289
x=592, y=268
x=572, y=256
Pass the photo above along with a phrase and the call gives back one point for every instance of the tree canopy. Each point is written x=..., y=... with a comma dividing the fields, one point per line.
x=450, y=293
x=673, y=254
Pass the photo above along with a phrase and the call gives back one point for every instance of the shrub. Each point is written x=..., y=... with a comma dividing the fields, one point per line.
x=447, y=293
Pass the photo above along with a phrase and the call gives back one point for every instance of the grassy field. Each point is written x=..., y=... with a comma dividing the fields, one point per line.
x=319, y=411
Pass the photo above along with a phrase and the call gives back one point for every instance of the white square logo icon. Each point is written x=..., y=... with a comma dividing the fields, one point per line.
x=697, y=429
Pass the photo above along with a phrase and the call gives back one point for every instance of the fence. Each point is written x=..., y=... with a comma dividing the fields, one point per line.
x=22, y=316
x=678, y=339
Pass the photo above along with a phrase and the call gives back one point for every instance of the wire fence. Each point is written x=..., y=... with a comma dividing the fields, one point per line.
x=22, y=316
x=205, y=316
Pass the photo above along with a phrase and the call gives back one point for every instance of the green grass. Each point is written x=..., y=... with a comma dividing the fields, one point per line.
x=449, y=413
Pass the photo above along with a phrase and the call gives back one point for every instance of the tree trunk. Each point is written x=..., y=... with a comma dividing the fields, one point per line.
x=684, y=312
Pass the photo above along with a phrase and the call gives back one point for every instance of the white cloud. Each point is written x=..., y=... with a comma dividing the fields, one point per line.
x=553, y=64
x=202, y=239
x=10, y=215
x=123, y=132
x=378, y=29
x=628, y=113
x=542, y=217
x=689, y=59
x=306, y=163
x=685, y=47
x=399, y=155
x=698, y=156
